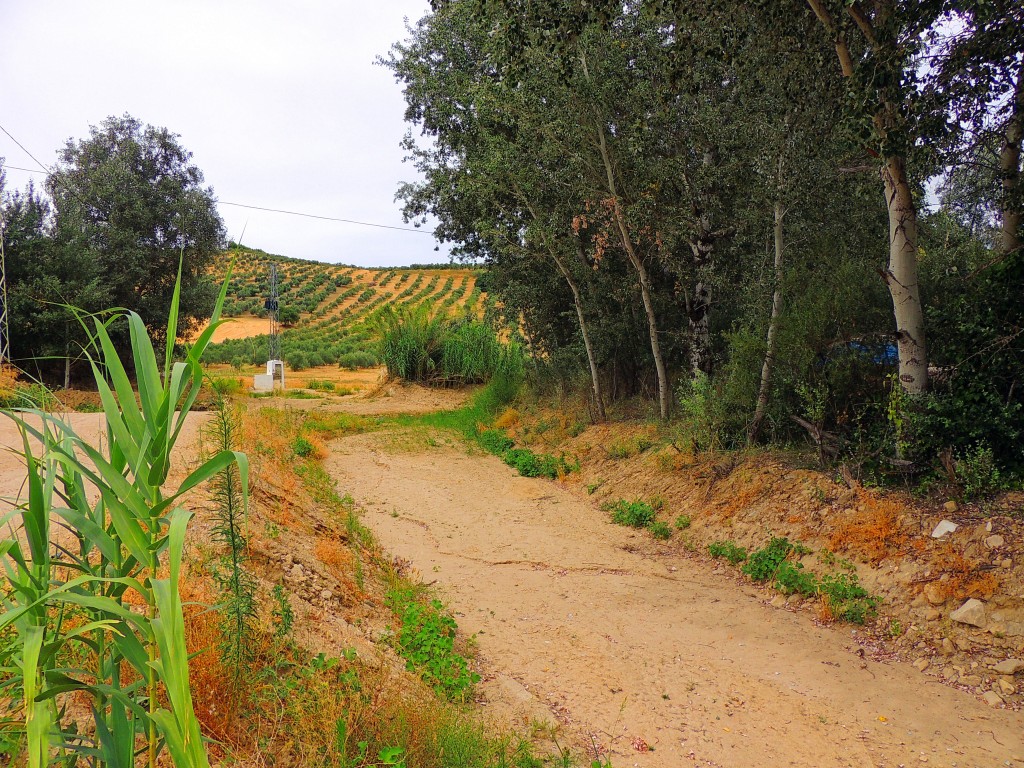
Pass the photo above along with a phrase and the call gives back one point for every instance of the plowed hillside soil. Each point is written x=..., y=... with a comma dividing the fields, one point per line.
x=650, y=657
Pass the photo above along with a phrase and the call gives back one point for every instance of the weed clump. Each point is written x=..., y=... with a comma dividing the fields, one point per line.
x=427, y=642
x=635, y=514
x=728, y=550
x=841, y=595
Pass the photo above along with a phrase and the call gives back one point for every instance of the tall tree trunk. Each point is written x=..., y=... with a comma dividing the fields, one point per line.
x=664, y=395
x=901, y=277
x=769, y=355
x=1009, y=167
x=577, y=298
x=595, y=377
x=698, y=313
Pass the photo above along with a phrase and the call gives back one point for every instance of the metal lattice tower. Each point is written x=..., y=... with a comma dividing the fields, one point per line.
x=272, y=306
x=5, y=340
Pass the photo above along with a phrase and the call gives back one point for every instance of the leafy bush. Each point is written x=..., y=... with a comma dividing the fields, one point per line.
x=495, y=441
x=530, y=464
x=320, y=385
x=792, y=578
x=660, y=530
x=728, y=550
x=977, y=472
x=846, y=599
x=635, y=514
x=762, y=564
x=302, y=447
x=682, y=522
x=353, y=360
x=427, y=641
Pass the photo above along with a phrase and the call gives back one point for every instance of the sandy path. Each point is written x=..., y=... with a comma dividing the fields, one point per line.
x=592, y=625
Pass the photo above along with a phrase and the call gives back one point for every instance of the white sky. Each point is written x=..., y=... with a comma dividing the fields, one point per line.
x=279, y=102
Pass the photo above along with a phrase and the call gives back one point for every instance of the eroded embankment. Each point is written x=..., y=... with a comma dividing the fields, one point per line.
x=654, y=655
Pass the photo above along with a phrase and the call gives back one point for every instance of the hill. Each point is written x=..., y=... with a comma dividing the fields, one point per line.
x=334, y=306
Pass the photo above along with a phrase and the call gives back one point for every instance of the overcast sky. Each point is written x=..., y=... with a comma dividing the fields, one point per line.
x=281, y=105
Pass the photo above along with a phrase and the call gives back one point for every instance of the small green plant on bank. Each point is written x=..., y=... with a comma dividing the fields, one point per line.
x=426, y=640
x=682, y=522
x=523, y=460
x=302, y=447
x=845, y=598
x=734, y=554
x=660, y=530
x=978, y=474
x=635, y=514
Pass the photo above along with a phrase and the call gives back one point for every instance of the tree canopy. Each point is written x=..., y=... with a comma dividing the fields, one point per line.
x=125, y=206
x=730, y=198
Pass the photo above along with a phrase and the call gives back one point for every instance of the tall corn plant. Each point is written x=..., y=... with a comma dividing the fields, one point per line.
x=69, y=607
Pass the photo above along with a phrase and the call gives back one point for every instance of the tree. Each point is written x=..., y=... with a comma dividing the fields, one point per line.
x=44, y=277
x=129, y=198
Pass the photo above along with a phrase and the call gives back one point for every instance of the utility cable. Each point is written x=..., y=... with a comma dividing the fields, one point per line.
x=415, y=231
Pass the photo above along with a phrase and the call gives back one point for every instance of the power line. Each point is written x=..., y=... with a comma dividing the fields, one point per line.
x=41, y=165
x=415, y=231
x=328, y=218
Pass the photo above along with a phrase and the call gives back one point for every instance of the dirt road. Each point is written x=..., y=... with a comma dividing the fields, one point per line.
x=595, y=626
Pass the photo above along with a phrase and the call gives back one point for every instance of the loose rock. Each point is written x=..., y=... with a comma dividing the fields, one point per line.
x=972, y=613
x=922, y=664
x=995, y=541
x=1009, y=667
x=946, y=526
x=950, y=507
x=992, y=698
x=1006, y=687
x=934, y=593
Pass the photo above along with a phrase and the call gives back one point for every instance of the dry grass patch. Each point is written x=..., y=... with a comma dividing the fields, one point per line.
x=874, y=531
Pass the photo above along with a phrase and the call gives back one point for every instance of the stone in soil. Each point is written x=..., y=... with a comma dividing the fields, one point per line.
x=1009, y=667
x=992, y=698
x=944, y=527
x=972, y=612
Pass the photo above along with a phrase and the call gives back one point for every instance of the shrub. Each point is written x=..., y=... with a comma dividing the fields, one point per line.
x=302, y=447
x=320, y=385
x=427, y=641
x=682, y=522
x=635, y=514
x=728, y=550
x=977, y=472
x=660, y=530
x=495, y=441
x=762, y=564
x=353, y=360
x=846, y=599
x=297, y=361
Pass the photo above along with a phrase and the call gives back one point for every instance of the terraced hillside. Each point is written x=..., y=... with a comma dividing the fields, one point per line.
x=332, y=308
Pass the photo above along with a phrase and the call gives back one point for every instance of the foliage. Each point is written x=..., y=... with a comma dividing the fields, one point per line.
x=660, y=530
x=978, y=473
x=427, y=641
x=128, y=199
x=131, y=666
x=682, y=522
x=728, y=550
x=635, y=514
x=238, y=610
x=846, y=599
x=417, y=345
x=763, y=564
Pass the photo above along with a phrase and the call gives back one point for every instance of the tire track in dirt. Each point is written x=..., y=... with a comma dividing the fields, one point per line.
x=627, y=643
